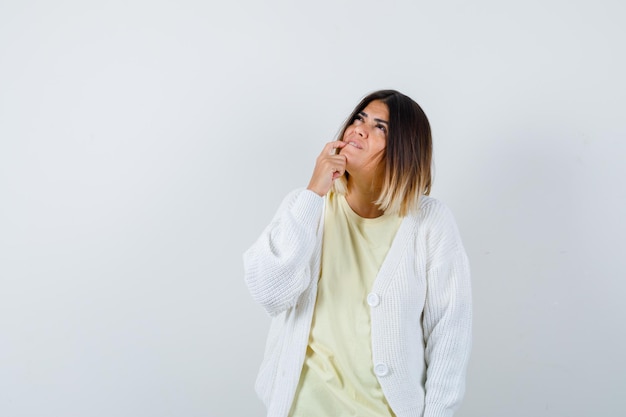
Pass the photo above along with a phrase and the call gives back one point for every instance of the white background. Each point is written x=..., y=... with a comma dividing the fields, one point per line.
x=145, y=144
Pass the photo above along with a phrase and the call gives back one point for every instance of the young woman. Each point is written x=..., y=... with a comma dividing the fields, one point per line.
x=365, y=278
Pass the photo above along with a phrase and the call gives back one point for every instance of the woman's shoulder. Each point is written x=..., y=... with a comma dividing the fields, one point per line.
x=433, y=215
x=431, y=207
x=436, y=223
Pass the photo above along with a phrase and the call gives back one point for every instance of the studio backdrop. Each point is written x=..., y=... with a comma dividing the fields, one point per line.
x=144, y=145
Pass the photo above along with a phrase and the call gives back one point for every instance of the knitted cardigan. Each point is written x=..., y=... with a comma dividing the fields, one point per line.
x=420, y=306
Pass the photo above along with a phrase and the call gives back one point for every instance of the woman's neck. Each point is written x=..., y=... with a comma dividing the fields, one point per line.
x=361, y=196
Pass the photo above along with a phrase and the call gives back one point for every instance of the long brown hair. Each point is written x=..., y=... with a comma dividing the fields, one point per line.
x=407, y=155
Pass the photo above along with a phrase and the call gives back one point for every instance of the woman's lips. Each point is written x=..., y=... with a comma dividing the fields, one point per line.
x=355, y=144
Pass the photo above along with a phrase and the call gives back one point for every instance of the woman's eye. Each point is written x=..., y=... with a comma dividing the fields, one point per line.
x=382, y=127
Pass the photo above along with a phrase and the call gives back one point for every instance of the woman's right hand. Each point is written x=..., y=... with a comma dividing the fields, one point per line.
x=329, y=166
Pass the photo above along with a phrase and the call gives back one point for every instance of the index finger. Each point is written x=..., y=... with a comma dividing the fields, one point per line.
x=337, y=144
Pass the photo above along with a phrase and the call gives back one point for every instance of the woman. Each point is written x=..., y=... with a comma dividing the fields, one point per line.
x=365, y=278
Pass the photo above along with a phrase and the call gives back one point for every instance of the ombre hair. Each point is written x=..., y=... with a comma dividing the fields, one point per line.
x=407, y=157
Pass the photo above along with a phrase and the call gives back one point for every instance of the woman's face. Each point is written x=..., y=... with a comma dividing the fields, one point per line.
x=366, y=138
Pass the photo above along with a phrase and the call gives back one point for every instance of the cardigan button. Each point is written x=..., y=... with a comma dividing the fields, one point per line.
x=373, y=299
x=381, y=369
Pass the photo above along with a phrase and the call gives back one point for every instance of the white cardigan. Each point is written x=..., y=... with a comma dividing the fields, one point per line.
x=420, y=306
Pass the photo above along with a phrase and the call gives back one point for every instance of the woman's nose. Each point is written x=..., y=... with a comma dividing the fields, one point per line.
x=361, y=130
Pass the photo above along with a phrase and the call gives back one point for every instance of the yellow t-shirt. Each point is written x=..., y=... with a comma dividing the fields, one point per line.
x=337, y=378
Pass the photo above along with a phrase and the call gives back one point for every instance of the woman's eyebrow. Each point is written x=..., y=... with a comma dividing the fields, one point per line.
x=376, y=120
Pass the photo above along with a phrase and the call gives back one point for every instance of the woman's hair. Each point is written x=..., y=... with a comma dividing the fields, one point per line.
x=407, y=156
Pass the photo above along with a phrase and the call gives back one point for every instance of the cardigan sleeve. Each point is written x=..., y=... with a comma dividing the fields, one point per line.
x=277, y=265
x=447, y=319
